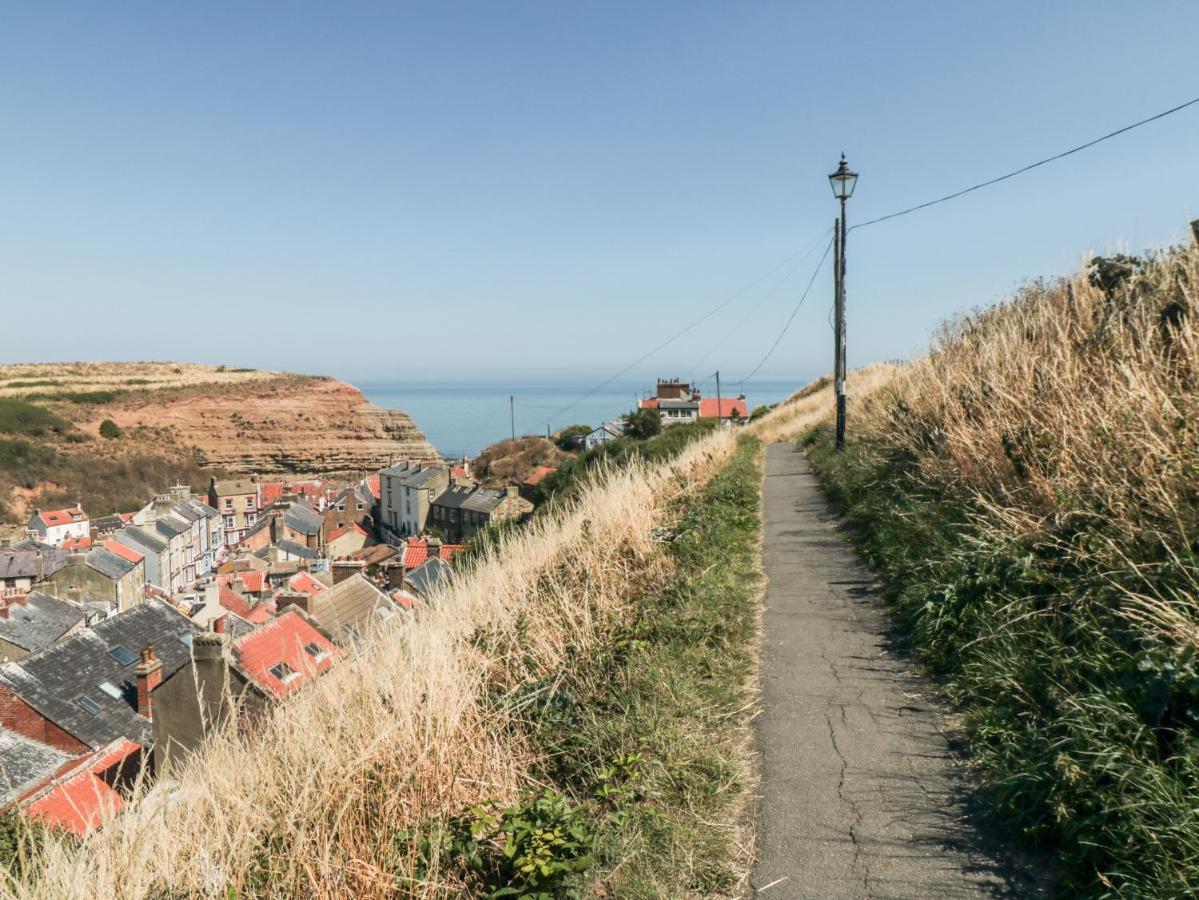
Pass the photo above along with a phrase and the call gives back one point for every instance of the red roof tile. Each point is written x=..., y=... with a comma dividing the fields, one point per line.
x=459, y=472
x=126, y=553
x=729, y=407
x=64, y=516
x=415, y=553
x=233, y=601
x=404, y=599
x=345, y=529
x=78, y=799
x=649, y=403
x=448, y=551
x=260, y=612
x=283, y=641
x=539, y=473
x=302, y=581
x=79, y=543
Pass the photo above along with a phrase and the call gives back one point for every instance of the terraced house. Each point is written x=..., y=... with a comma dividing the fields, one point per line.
x=236, y=501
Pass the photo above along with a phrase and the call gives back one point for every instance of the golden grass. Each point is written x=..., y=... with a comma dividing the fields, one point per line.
x=18, y=379
x=394, y=738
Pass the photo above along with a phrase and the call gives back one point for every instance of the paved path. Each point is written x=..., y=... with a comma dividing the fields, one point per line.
x=862, y=793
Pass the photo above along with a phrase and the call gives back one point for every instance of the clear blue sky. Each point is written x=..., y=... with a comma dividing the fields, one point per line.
x=465, y=189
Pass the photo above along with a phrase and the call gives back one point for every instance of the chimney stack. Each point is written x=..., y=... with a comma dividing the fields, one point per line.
x=148, y=674
x=41, y=565
x=285, y=599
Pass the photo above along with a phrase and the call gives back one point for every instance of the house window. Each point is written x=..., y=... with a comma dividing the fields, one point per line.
x=123, y=655
x=316, y=651
x=251, y=518
x=283, y=672
x=229, y=521
x=228, y=503
x=88, y=703
x=361, y=507
x=249, y=503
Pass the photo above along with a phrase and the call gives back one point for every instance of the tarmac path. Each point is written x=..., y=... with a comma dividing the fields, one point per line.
x=863, y=791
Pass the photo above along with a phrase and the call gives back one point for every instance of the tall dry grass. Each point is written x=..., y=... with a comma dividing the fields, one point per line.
x=1032, y=489
x=396, y=739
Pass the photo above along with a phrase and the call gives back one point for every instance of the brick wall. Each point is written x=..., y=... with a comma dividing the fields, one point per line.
x=17, y=715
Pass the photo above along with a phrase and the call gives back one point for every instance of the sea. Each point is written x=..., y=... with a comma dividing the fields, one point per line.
x=461, y=418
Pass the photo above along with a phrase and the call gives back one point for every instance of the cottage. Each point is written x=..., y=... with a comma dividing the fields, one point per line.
x=347, y=540
x=112, y=571
x=349, y=611
x=94, y=687
x=236, y=500
x=59, y=525
x=408, y=491
x=724, y=408
x=609, y=431
x=28, y=563
x=84, y=793
x=460, y=513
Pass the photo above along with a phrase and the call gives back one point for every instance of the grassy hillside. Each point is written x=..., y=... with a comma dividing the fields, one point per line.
x=1032, y=490
x=568, y=717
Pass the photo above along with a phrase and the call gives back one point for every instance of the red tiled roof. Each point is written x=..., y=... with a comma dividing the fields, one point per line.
x=283, y=641
x=251, y=580
x=449, y=550
x=260, y=612
x=353, y=526
x=539, y=473
x=649, y=403
x=126, y=553
x=64, y=516
x=269, y=492
x=372, y=482
x=78, y=799
x=78, y=543
x=233, y=601
x=459, y=472
x=404, y=599
x=728, y=407
x=415, y=553
x=302, y=581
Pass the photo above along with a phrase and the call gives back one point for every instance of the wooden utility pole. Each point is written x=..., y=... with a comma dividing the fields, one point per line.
x=719, y=405
x=512, y=413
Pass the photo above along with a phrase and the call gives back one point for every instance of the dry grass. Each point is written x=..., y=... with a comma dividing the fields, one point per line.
x=56, y=378
x=395, y=738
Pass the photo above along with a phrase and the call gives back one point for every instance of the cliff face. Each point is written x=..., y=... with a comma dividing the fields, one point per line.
x=283, y=425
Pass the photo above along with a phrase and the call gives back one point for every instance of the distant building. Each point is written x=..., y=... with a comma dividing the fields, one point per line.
x=529, y=485
x=58, y=525
x=111, y=571
x=408, y=491
x=236, y=501
x=32, y=622
x=460, y=513
x=609, y=431
x=727, y=408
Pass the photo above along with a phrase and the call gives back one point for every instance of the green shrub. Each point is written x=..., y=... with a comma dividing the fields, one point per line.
x=19, y=416
x=642, y=423
x=110, y=429
x=571, y=437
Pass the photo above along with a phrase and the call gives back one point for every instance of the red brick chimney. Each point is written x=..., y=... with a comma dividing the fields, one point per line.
x=149, y=676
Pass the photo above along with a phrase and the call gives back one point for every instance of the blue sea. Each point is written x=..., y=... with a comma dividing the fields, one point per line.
x=461, y=418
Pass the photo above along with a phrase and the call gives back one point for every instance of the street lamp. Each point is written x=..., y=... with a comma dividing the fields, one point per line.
x=843, y=182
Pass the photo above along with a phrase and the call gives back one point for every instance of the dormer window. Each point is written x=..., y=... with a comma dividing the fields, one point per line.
x=284, y=672
x=317, y=652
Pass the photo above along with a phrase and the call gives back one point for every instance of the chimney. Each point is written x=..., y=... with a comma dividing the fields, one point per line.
x=511, y=490
x=218, y=624
x=148, y=674
x=41, y=565
x=3, y=609
x=285, y=599
x=209, y=646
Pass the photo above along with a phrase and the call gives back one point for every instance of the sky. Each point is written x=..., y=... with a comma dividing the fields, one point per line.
x=431, y=192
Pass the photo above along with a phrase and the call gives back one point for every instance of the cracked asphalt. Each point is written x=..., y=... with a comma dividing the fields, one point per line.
x=863, y=791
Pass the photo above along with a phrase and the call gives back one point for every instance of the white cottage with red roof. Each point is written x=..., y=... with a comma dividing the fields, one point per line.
x=56, y=526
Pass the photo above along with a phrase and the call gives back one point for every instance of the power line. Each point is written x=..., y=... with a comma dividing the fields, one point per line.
x=674, y=337
x=812, y=248
x=794, y=313
x=1029, y=167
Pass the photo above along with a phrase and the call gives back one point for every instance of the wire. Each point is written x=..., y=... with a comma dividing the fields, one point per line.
x=812, y=248
x=794, y=313
x=674, y=337
x=1028, y=168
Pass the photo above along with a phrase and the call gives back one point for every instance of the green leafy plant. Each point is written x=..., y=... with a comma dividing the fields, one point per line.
x=110, y=430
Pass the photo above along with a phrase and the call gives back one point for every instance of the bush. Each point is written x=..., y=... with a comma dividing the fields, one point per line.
x=23, y=417
x=642, y=423
x=110, y=429
x=571, y=437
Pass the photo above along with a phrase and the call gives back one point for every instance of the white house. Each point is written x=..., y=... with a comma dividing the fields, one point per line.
x=609, y=431
x=59, y=525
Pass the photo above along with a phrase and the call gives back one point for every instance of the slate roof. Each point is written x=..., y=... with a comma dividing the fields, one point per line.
x=171, y=526
x=351, y=609
x=484, y=500
x=200, y=507
x=291, y=548
x=39, y=621
x=235, y=486
x=374, y=555
x=453, y=497
x=429, y=577
x=417, y=479
x=141, y=537
x=25, y=762
x=53, y=680
x=20, y=561
x=108, y=563
x=303, y=518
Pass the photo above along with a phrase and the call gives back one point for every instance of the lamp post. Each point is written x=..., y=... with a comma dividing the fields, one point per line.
x=842, y=181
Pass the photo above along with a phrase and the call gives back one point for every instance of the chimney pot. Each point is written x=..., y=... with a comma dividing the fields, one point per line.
x=148, y=675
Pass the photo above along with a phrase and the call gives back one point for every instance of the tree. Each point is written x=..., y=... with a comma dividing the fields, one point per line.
x=642, y=423
x=571, y=437
x=110, y=429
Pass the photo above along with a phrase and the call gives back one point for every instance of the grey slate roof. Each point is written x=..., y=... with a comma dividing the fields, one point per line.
x=201, y=507
x=24, y=763
x=351, y=609
x=429, y=577
x=39, y=621
x=291, y=548
x=140, y=538
x=54, y=680
x=417, y=479
x=484, y=500
x=303, y=518
x=453, y=497
x=108, y=563
x=171, y=526
x=20, y=561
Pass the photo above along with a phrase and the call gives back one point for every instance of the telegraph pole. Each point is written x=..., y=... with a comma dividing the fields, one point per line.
x=719, y=405
x=512, y=413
